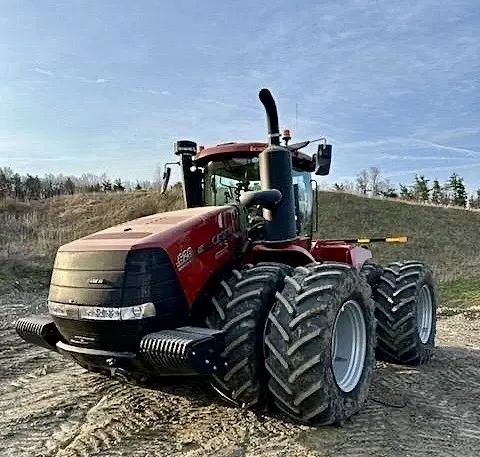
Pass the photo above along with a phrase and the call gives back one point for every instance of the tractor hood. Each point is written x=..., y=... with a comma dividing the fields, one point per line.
x=190, y=244
x=156, y=230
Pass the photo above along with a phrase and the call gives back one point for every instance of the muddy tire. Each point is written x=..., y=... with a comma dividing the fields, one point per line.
x=240, y=306
x=406, y=310
x=302, y=351
x=371, y=272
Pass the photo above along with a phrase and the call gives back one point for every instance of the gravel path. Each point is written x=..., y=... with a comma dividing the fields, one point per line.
x=51, y=407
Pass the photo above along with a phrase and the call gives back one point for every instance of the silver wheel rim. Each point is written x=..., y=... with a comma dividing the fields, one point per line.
x=424, y=314
x=349, y=346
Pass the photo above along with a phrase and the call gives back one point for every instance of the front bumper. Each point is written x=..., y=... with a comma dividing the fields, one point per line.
x=181, y=351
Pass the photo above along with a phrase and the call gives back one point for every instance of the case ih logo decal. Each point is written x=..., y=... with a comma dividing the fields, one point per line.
x=184, y=258
x=220, y=238
x=223, y=236
x=96, y=281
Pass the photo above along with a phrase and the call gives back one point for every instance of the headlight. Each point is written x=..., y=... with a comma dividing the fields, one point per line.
x=102, y=313
x=63, y=310
x=98, y=313
x=138, y=312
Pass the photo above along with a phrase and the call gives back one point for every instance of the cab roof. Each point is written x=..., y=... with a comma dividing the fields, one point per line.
x=226, y=151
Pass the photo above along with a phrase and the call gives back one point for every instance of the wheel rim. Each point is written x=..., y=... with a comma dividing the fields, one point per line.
x=349, y=346
x=424, y=314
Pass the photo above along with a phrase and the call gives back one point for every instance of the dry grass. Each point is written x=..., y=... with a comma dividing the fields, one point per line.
x=30, y=233
x=444, y=237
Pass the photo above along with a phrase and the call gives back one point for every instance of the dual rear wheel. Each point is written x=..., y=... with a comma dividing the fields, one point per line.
x=307, y=338
x=303, y=338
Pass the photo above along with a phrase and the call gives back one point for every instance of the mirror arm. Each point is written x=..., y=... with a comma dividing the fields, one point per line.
x=166, y=174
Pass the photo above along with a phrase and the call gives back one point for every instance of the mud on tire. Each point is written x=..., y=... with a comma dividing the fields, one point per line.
x=403, y=287
x=240, y=306
x=371, y=272
x=299, y=343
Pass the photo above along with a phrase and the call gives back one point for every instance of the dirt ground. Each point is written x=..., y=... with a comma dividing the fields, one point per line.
x=50, y=407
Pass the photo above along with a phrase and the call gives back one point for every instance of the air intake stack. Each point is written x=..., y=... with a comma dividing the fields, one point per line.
x=191, y=176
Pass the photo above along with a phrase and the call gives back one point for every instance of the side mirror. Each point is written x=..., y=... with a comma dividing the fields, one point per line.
x=166, y=178
x=323, y=159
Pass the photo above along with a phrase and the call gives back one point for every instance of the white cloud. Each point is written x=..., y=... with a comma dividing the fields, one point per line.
x=91, y=81
x=410, y=158
x=42, y=71
x=436, y=135
x=431, y=169
x=385, y=81
x=469, y=152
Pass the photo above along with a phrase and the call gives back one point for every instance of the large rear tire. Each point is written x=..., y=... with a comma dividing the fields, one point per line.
x=320, y=344
x=406, y=313
x=240, y=306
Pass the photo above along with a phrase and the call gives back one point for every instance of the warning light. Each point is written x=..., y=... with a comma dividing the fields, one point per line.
x=286, y=136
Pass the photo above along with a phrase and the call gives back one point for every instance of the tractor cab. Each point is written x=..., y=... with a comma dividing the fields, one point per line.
x=219, y=175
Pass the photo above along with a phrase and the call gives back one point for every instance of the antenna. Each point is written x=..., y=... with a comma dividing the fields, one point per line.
x=296, y=117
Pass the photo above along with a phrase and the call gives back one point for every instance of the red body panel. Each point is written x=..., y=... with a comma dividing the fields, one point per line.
x=299, y=252
x=199, y=241
x=290, y=253
x=202, y=249
x=333, y=252
x=324, y=250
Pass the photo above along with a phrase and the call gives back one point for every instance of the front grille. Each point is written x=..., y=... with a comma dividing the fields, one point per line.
x=117, y=279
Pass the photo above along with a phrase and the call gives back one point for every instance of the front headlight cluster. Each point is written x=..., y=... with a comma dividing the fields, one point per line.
x=79, y=312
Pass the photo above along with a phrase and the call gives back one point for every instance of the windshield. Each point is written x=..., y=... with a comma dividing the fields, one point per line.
x=226, y=180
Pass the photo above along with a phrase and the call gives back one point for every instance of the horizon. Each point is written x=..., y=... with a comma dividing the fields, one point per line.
x=107, y=88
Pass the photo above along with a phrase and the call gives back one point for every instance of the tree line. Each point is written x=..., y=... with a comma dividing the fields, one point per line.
x=452, y=192
x=368, y=182
x=30, y=187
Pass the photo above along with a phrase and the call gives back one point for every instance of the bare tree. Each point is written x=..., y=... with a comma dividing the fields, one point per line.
x=158, y=177
x=362, y=182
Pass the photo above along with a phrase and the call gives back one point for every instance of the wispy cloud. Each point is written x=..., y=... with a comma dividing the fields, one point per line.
x=396, y=149
x=469, y=152
x=43, y=72
x=389, y=83
x=410, y=173
x=431, y=170
x=97, y=80
x=410, y=158
x=152, y=91
x=92, y=81
x=446, y=134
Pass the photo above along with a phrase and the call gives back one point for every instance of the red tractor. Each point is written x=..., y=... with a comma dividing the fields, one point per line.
x=235, y=288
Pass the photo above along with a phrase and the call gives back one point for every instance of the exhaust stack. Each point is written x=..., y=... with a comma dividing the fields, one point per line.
x=275, y=164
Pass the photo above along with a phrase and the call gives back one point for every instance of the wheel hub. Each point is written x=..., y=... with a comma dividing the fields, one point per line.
x=349, y=346
x=424, y=314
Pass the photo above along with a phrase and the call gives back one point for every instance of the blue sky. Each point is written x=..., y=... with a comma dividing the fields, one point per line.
x=108, y=86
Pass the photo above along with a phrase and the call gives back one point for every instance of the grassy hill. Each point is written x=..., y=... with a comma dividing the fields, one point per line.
x=446, y=238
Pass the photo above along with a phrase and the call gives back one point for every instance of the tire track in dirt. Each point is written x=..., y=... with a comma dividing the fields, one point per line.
x=120, y=413
x=51, y=407
x=418, y=411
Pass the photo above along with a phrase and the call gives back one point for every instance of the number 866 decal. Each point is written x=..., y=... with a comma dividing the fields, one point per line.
x=184, y=258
